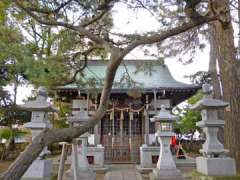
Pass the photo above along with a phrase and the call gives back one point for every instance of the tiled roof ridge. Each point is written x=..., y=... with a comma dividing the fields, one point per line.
x=101, y=61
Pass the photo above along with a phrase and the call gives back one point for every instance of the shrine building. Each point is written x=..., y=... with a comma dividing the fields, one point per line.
x=140, y=88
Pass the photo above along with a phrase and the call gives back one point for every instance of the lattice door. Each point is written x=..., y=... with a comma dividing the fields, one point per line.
x=122, y=147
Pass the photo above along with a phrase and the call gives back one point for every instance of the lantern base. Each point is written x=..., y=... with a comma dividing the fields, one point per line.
x=39, y=169
x=216, y=166
x=166, y=174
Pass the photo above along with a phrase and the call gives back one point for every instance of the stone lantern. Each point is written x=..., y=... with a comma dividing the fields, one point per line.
x=40, y=168
x=79, y=167
x=214, y=160
x=166, y=167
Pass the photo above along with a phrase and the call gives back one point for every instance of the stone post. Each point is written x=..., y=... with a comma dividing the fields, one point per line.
x=213, y=161
x=96, y=134
x=166, y=167
x=82, y=153
x=41, y=168
x=79, y=167
x=146, y=135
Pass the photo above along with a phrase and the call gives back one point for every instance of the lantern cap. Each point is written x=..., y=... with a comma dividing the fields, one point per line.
x=164, y=115
x=37, y=125
x=208, y=102
x=40, y=104
x=85, y=135
x=42, y=91
x=81, y=117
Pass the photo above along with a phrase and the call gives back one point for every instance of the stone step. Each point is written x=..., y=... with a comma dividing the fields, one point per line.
x=123, y=172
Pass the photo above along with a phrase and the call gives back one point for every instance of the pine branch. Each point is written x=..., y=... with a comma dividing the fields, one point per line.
x=80, y=29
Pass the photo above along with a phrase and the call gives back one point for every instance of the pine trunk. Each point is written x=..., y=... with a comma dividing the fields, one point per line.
x=213, y=59
x=216, y=81
x=230, y=82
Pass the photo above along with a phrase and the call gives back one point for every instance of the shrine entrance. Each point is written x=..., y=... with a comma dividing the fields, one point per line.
x=122, y=137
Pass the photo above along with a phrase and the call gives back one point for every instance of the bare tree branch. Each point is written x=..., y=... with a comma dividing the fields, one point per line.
x=94, y=19
x=158, y=37
x=80, y=69
x=143, y=6
x=49, y=11
x=79, y=29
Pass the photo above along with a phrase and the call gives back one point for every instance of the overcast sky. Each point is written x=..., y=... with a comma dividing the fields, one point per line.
x=127, y=21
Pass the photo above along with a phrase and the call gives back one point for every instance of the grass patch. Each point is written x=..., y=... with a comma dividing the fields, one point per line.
x=4, y=165
x=198, y=176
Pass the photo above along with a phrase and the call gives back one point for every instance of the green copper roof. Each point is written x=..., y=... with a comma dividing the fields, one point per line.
x=145, y=74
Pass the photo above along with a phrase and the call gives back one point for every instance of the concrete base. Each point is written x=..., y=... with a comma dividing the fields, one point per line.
x=216, y=166
x=122, y=172
x=39, y=169
x=167, y=174
x=143, y=169
x=108, y=176
x=102, y=170
x=188, y=164
x=98, y=153
x=82, y=175
x=146, y=155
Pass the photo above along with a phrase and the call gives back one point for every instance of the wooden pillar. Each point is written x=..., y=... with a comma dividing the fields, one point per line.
x=87, y=102
x=155, y=101
x=62, y=161
x=130, y=131
x=75, y=161
x=121, y=128
x=96, y=134
x=146, y=121
x=113, y=119
x=121, y=131
x=131, y=135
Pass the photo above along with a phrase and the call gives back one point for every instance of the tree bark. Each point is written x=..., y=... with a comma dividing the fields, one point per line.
x=216, y=81
x=229, y=77
x=213, y=59
x=238, y=54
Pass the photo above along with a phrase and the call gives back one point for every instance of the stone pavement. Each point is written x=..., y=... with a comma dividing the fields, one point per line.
x=123, y=172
